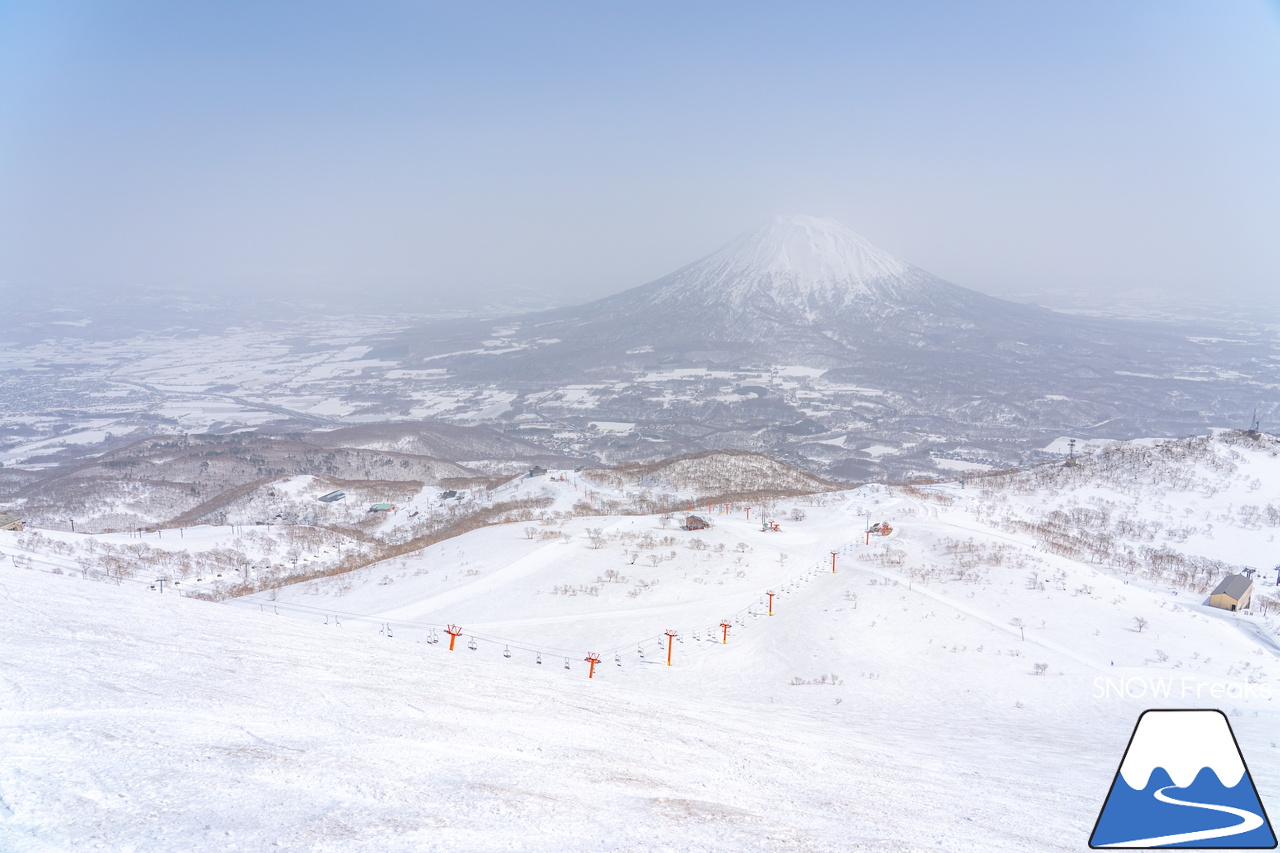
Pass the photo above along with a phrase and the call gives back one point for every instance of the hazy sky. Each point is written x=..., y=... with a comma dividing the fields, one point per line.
x=473, y=149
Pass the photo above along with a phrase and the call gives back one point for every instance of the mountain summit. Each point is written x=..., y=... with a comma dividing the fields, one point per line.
x=794, y=258
x=794, y=290
x=799, y=275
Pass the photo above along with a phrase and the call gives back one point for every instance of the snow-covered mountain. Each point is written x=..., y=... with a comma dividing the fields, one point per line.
x=794, y=287
x=794, y=262
x=801, y=339
x=802, y=269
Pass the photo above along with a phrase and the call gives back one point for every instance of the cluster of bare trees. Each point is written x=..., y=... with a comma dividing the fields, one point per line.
x=713, y=472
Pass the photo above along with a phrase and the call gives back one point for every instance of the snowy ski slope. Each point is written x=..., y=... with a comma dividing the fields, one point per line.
x=894, y=705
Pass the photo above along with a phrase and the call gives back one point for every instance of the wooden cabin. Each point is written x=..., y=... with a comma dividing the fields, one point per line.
x=694, y=522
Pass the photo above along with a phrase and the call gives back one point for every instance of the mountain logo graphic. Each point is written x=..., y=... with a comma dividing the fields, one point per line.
x=1183, y=783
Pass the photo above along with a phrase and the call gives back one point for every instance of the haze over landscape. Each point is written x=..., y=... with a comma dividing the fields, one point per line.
x=638, y=427
x=463, y=156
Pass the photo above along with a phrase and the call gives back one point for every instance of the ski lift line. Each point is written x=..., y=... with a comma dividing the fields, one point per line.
x=75, y=571
x=412, y=625
x=629, y=648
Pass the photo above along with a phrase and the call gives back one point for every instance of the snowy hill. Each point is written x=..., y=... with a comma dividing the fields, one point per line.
x=1183, y=511
x=237, y=478
x=907, y=701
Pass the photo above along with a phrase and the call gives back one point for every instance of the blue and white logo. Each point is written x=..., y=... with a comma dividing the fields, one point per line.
x=1183, y=783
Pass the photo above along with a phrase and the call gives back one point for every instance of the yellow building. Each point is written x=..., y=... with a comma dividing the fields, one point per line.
x=1234, y=593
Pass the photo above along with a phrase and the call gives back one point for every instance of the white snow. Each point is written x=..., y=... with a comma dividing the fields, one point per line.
x=893, y=705
x=615, y=427
x=796, y=255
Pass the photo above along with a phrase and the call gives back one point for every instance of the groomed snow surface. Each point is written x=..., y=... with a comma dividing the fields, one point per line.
x=873, y=712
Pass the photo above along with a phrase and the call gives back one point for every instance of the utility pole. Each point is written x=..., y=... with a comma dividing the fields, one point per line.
x=671, y=635
x=453, y=631
x=771, y=594
x=833, y=562
x=592, y=659
x=725, y=625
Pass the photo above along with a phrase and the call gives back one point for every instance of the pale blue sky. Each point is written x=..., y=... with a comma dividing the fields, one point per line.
x=471, y=149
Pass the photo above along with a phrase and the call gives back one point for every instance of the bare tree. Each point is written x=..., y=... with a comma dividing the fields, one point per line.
x=1140, y=623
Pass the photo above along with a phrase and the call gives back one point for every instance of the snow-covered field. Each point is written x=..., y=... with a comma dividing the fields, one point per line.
x=952, y=686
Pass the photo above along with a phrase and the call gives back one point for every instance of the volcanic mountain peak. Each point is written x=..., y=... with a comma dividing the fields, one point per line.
x=790, y=257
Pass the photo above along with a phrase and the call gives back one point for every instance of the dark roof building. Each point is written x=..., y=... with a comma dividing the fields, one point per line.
x=694, y=522
x=1233, y=593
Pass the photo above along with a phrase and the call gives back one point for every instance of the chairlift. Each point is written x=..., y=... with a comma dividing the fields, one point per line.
x=472, y=645
x=566, y=663
x=617, y=658
x=389, y=634
x=539, y=660
x=506, y=651
x=639, y=648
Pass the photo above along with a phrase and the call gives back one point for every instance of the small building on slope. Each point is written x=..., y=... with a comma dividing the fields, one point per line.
x=1234, y=593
